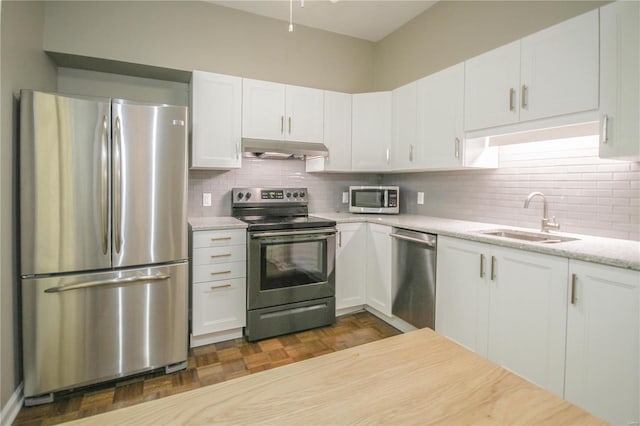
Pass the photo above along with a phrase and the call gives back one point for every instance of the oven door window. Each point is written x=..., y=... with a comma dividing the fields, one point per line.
x=293, y=264
x=368, y=198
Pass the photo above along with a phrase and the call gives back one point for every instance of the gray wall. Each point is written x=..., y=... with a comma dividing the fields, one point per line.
x=451, y=31
x=24, y=65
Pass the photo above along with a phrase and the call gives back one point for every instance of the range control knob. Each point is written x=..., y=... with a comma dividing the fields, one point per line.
x=302, y=194
x=240, y=195
x=247, y=196
x=288, y=195
x=295, y=195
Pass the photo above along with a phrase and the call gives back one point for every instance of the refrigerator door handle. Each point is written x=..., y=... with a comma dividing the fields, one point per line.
x=89, y=284
x=117, y=187
x=104, y=181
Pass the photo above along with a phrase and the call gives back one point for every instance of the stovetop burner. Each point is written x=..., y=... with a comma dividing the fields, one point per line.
x=274, y=208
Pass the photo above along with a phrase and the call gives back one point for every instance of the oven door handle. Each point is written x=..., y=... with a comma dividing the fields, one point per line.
x=327, y=231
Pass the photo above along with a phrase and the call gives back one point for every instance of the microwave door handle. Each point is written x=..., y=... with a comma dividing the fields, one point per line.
x=385, y=197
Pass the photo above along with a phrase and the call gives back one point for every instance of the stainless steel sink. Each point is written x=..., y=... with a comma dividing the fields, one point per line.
x=536, y=237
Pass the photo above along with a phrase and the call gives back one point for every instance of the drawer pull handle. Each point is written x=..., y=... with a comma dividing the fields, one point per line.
x=221, y=273
x=213, y=256
x=481, y=265
x=220, y=238
x=574, y=278
x=214, y=287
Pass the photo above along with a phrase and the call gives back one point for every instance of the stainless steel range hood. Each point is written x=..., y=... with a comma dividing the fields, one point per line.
x=267, y=148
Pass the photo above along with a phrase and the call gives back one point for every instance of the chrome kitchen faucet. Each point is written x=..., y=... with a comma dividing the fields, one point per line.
x=546, y=224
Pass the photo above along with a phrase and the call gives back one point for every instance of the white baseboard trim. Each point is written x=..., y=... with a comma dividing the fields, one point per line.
x=220, y=336
x=10, y=411
x=350, y=310
x=396, y=322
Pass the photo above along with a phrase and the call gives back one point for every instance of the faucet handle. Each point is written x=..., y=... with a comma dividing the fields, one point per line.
x=548, y=224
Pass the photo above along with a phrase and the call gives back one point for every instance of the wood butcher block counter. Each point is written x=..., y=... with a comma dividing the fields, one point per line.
x=414, y=378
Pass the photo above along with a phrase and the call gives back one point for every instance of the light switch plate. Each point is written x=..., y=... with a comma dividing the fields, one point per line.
x=420, y=197
x=345, y=197
x=206, y=199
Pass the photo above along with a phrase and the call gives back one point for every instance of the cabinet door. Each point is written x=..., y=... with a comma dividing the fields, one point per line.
x=371, y=131
x=404, y=127
x=527, y=319
x=218, y=306
x=337, y=130
x=351, y=246
x=620, y=80
x=559, y=69
x=304, y=114
x=603, y=351
x=440, y=115
x=263, y=114
x=462, y=293
x=491, y=88
x=378, y=274
x=216, y=113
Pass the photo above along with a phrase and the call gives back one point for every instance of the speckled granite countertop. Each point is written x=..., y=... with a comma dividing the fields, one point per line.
x=211, y=223
x=607, y=251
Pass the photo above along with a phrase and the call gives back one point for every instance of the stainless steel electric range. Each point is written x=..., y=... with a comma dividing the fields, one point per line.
x=290, y=262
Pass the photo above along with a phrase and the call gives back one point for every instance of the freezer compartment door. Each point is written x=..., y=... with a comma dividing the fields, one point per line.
x=65, y=183
x=84, y=329
x=149, y=183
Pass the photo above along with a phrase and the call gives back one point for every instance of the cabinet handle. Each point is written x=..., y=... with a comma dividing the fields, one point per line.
x=214, y=256
x=481, y=265
x=289, y=125
x=512, y=99
x=214, y=287
x=339, y=238
x=238, y=150
x=493, y=268
x=523, y=96
x=574, y=279
x=410, y=152
x=605, y=128
x=282, y=124
x=220, y=238
x=457, y=148
x=221, y=273
x=387, y=155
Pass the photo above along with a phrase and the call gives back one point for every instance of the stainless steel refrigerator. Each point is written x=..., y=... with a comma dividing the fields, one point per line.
x=103, y=240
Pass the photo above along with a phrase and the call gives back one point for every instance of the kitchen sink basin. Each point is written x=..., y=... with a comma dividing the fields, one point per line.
x=536, y=237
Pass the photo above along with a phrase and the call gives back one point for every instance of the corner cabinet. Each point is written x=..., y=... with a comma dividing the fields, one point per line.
x=216, y=115
x=505, y=304
x=603, y=342
x=281, y=112
x=337, y=135
x=550, y=73
x=218, y=280
x=620, y=80
x=371, y=131
x=378, y=273
x=351, y=245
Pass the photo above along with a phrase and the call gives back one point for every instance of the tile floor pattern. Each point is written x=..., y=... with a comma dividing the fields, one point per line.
x=211, y=364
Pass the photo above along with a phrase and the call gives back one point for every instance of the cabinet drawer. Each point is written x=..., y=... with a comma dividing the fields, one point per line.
x=219, y=271
x=219, y=306
x=224, y=254
x=219, y=238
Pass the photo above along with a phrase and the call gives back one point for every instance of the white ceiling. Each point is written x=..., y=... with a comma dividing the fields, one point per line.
x=365, y=19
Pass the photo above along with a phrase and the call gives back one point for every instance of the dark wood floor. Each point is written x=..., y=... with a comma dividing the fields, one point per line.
x=208, y=365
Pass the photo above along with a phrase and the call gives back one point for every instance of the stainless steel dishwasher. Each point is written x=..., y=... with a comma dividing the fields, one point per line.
x=414, y=277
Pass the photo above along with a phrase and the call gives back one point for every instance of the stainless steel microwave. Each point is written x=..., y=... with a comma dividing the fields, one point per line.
x=374, y=199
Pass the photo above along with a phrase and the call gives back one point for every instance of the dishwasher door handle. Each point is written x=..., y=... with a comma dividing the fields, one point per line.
x=415, y=240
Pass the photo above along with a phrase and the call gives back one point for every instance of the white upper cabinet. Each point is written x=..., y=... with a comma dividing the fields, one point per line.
x=405, y=150
x=281, y=112
x=620, y=80
x=603, y=342
x=337, y=134
x=491, y=85
x=371, y=131
x=216, y=113
x=440, y=119
x=559, y=69
x=551, y=73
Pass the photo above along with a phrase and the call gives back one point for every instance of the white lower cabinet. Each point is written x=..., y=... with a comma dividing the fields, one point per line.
x=351, y=244
x=603, y=349
x=505, y=304
x=218, y=280
x=378, y=272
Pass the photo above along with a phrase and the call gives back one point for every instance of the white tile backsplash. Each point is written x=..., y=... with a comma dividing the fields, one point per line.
x=587, y=195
